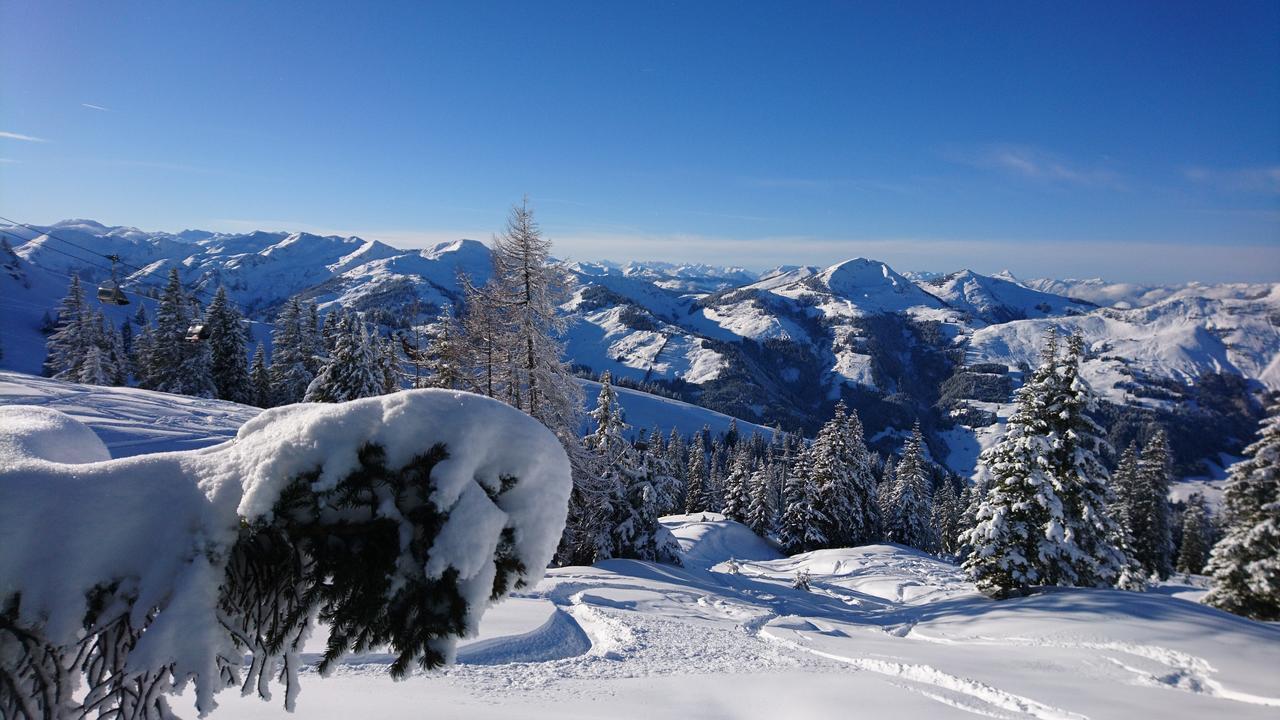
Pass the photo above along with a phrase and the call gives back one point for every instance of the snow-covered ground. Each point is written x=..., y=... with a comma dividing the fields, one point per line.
x=883, y=631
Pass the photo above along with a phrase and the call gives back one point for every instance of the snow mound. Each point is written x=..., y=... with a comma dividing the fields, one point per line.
x=158, y=531
x=28, y=431
x=707, y=539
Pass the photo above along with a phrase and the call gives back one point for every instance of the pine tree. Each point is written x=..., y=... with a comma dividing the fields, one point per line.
x=92, y=371
x=311, y=337
x=445, y=356
x=910, y=505
x=1126, y=497
x=388, y=362
x=632, y=529
x=290, y=346
x=1042, y=520
x=802, y=521
x=761, y=513
x=178, y=365
x=1196, y=532
x=946, y=518
x=227, y=361
x=69, y=344
x=695, y=497
x=737, y=485
x=1245, y=563
x=353, y=371
x=1154, y=548
x=260, y=378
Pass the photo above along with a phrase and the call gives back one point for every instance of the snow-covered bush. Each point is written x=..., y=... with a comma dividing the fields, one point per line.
x=395, y=520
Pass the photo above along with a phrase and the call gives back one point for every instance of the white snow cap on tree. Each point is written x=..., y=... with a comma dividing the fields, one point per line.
x=158, y=531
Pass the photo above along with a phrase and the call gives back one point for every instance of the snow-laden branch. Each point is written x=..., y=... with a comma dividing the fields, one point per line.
x=395, y=519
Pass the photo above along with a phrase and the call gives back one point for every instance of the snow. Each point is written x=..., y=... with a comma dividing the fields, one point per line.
x=40, y=432
x=165, y=523
x=898, y=632
x=130, y=421
x=643, y=411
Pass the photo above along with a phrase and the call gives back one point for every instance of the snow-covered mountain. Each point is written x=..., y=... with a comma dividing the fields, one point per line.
x=776, y=347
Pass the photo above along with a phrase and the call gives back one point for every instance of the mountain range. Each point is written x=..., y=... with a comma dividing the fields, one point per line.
x=777, y=347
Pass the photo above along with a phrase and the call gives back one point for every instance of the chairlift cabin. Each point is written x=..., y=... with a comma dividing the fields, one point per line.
x=110, y=293
x=198, y=333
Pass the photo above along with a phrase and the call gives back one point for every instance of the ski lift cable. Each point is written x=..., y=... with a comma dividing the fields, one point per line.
x=194, y=291
x=46, y=233
x=69, y=275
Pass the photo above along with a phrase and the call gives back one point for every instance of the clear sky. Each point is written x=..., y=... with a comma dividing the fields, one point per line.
x=1131, y=140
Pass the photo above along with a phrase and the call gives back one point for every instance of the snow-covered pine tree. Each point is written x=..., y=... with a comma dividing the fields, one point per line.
x=445, y=357
x=761, y=513
x=144, y=344
x=312, y=337
x=353, y=371
x=388, y=361
x=260, y=378
x=117, y=351
x=227, y=354
x=68, y=345
x=92, y=370
x=632, y=529
x=1245, y=563
x=1154, y=548
x=1197, y=530
x=695, y=494
x=1042, y=520
x=802, y=521
x=668, y=488
x=1126, y=497
x=290, y=346
x=829, y=474
x=178, y=365
x=910, y=504
x=737, y=484
x=946, y=517
x=885, y=492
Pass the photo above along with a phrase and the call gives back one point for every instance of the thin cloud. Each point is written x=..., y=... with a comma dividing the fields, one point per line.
x=7, y=161
x=1031, y=163
x=20, y=136
x=786, y=183
x=1253, y=180
x=99, y=108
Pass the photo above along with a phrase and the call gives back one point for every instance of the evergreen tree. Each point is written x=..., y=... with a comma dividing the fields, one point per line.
x=840, y=467
x=1154, y=547
x=290, y=377
x=1196, y=532
x=946, y=518
x=761, y=513
x=1245, y=563
x=178, y=365
x=260, y=378
x=802, y=522
x=388, y=362
x=695, y=496
x=1126, y=497
x=92, y=370
x=69, y=344
x=353, y=371
x=1042, y=520
x=445, y=357
x=227, y=355
x=312, y=338
x=678, y=459
x=910, y=506
x=632, y=530
x=737, y=485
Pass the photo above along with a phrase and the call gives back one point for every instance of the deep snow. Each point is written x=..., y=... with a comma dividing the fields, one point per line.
x=884, y=631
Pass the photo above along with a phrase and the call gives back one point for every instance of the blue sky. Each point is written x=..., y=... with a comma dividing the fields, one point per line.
x=1136, y=140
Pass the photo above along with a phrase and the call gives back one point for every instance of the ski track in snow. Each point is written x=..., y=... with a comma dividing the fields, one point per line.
x=626, y=619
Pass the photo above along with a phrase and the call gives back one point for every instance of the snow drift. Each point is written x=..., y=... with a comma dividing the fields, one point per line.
x=396, y=519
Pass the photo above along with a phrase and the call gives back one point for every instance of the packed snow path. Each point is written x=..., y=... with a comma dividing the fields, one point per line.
x=882, y=630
